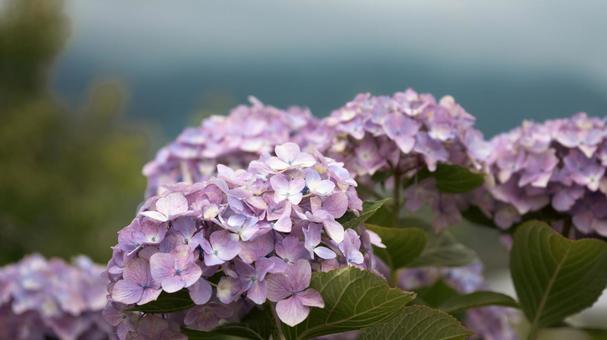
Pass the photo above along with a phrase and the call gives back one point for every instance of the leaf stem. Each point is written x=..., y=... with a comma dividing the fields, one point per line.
x=396, y=198
x=277, y=322
x=533, y=333
x=394, y=278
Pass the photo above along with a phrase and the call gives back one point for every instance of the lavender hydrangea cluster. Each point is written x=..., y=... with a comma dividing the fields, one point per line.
x=42, y=299
x=238, y=239
x=402, y=135
x=558, y=165
x=489, y=323
x=233, y=140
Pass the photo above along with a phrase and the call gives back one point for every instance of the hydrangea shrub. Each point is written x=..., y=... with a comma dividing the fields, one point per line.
x=272, y=224
x=293, y=184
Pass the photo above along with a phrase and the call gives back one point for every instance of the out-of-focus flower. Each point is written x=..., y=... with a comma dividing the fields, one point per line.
x=400, y=136
x=233, y=140
x=239, y=239
x=42, y=298
x=557, y=165
x=494, y=323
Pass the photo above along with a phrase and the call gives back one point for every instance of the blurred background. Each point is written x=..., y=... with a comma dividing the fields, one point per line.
x=90, y=89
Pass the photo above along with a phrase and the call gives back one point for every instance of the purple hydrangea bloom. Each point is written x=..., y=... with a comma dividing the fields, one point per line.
x=233, y=140
x=401, y=135
x=291, y=293
x=175, y=270
x=36, y=302
x=556, y=165
x=235, y=239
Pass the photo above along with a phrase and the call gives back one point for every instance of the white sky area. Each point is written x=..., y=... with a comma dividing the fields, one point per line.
x=455, y=33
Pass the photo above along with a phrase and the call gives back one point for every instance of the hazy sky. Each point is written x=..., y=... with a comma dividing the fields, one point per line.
x=454, y=42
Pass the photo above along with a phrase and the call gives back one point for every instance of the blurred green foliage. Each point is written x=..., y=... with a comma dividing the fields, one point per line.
x=69, y=177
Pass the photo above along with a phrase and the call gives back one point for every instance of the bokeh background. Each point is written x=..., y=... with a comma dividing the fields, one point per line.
x=90, y=89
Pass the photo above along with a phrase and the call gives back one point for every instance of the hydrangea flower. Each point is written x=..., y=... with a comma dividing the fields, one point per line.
x=558, y=165
x=233, y=140
x=42, y=298
x=492, y=323
x=401, y=135
x=237, y=240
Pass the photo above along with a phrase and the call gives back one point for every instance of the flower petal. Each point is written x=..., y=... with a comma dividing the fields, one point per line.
x=172, y=204
x=127, y=292
x=201, y=292
x=311, y=298
x=162, y=266
x=291, y=311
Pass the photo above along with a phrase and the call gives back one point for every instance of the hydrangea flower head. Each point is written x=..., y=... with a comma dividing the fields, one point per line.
x=234, y=140
x=557, y=165
x=239, y=239
x=50, y=298
x=401, y=135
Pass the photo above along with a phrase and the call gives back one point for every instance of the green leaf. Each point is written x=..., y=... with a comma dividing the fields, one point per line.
x=434, y=295
x=456, y=179
x=596, y=334
x=477, y=299
x=444, y=250
x=258, y=324
x=354, y=299
x=403, y=245
x=418, y=323
x=349, y=220
x=555, y=277
x=167, y=303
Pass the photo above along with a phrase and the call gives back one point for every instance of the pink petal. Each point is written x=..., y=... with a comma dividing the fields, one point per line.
x=172, y=284
x=304, y=160
x=284, y=224
x=277, y=287
x=287, y=151
x=137, y=271
x=256, y=248
x=127, y=292
x=172, y=204
x=149, y=294
x=257, y=293
x=191, y=274
x=291, y=311
x=334, y=230
x=324, y=253
x=155, y=215
x=201, y=292
x=336, y=204
x=276, y=164
x=162, y=266
x=311, y=298
x=299, y=275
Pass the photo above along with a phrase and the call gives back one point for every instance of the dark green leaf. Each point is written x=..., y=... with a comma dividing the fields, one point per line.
x=444, y=250
x=349, y=220
x=418, y=323
x=435, y=295
x=258, y=324
x=456, y=179
x=555, y=277
x=403, y=245
x=596, y=334
x=354, y=299
x=477, y=299
x=167, y=303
